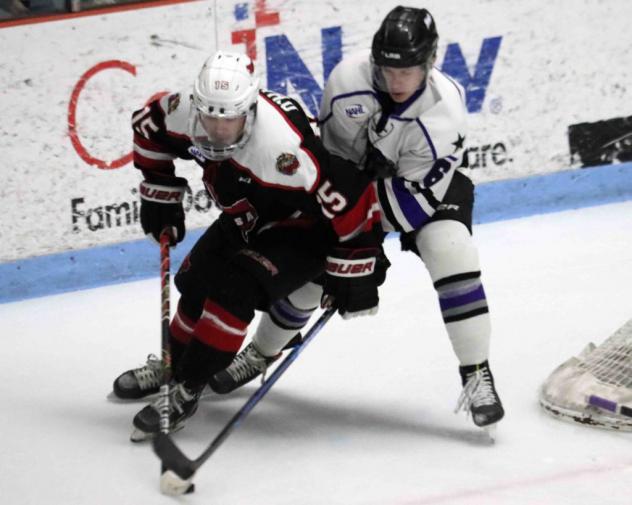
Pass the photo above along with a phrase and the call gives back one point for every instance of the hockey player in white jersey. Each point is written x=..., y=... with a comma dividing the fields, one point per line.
x=405, y=122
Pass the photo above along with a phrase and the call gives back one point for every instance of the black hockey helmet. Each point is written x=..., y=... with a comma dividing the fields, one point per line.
x=407, y=37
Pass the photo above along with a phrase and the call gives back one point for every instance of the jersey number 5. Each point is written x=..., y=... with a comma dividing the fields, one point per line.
x=331, y=202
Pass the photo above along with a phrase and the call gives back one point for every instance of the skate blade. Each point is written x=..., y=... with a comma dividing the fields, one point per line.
x=139, y=435
x=149, y=398
x=490, y=431
x=111, y=397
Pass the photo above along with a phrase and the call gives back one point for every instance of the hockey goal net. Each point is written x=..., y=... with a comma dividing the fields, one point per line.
x=594, y=388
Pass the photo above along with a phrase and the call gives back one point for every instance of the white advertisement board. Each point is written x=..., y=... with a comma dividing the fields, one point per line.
x=68, y=88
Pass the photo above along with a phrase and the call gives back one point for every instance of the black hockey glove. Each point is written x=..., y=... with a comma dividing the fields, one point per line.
x=350, y=282
x=378, y=166
x=161, y=208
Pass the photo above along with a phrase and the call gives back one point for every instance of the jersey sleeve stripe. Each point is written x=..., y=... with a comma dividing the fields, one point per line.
x=137, y=114
x=428, y=139
x=144, y=163
x=411, y=207
x=426, y=193
x=372, y=218
x=316, y=165
x=158, y=156
x=361, y=217
x=406, y=205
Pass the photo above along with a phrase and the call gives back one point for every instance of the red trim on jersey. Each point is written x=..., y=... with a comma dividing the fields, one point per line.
x=361, y=218
x=282, y=112
x=145, y=163
x=315, y=161
x=215, y=325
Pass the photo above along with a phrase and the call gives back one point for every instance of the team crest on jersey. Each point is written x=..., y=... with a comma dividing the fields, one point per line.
x=173, y=102
x=354, y=111
x=287, y=164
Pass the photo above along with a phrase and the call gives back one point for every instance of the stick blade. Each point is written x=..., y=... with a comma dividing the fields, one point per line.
x=172, y=485
x=172, y=457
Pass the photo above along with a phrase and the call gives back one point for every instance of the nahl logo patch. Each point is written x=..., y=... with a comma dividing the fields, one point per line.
x=287, y=164
x=355, y=110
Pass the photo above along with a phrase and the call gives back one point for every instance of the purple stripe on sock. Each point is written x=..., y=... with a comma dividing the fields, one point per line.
x=457, y=301
x=286, y=311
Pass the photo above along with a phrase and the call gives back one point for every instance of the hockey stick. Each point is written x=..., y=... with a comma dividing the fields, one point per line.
x=165, y=296
x=178, y=476
x=165, y=314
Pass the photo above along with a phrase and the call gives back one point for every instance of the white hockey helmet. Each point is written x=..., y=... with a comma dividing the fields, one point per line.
x=225, y=89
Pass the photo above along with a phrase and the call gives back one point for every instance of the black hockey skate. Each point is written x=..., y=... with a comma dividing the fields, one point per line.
x=246, y=366
x=139, y=382
x=182, y=404
x=479, y=396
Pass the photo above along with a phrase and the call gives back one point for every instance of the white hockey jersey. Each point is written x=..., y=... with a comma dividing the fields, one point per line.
x=283, y=176
x=424, y=137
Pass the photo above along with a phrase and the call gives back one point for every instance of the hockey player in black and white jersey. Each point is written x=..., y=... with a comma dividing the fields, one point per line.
x=290, y=213
x=405, y=122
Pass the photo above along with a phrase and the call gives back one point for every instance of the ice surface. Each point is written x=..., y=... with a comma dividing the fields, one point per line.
x=364, y=416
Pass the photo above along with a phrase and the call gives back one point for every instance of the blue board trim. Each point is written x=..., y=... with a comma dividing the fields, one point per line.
x=136, y=260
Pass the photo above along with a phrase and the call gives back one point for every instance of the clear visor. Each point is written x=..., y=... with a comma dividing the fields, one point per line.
x=216, y=135
x=387, y=78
